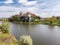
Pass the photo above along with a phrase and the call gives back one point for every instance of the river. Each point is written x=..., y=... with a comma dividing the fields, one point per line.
x=41, y=34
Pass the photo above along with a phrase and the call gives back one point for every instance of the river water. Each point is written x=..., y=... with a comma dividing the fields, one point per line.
x=41, y=34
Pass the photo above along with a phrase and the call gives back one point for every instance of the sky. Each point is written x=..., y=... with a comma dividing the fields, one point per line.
x=43, y=8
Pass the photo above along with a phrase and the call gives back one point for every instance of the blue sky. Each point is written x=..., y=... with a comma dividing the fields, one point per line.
x=43, y=8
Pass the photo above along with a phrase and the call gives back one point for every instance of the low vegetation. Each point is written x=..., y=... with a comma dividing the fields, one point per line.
x=51, y=21
x=5, y=37
x=4, y=27
x=26, y=40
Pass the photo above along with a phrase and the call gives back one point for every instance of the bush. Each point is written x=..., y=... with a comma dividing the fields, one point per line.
x=5, y=26
x=26, y=40
x=5, y=31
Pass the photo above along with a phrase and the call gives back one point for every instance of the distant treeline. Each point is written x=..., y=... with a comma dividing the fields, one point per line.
x=29, y=17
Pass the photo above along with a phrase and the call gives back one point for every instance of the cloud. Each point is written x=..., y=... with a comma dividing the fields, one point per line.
x=7, y=1
x=26, y=2
x=43, y=8
x=9, y=10
x=53, y=10
x=17, y=9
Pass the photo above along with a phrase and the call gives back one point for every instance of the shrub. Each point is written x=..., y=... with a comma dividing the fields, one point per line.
x=5, y=26
x=26, y=40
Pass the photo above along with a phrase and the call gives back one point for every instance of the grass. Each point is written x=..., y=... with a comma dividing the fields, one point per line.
x=7, y=39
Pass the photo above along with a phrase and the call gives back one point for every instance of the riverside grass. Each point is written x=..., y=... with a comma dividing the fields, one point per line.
x=5, y=37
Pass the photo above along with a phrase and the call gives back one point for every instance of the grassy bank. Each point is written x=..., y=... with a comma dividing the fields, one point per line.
x=7, y=39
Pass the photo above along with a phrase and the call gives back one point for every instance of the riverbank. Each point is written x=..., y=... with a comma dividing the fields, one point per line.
x=7, y=39
x=40, y=22
x=5, y=36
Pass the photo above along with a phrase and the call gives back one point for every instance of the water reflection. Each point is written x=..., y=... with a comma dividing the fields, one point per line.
x=41, y=34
